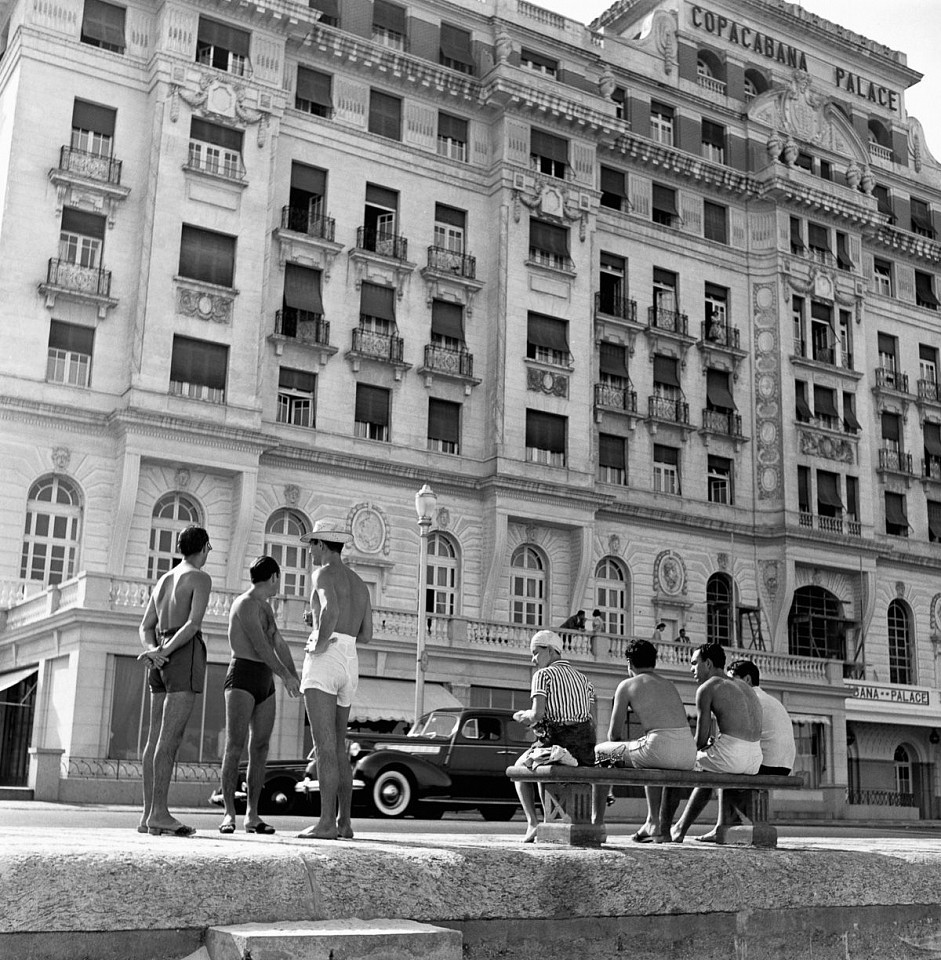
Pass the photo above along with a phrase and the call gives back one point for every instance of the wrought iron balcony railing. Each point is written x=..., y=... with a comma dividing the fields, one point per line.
x=381, y=242
x=613, y=305
x=380, y=346
x=895, y=460
x=299, y=220
x=447, y=261
x=928, y=390
x=73, y=276
x=931, y=467
x=720, y=334
x=618, y=398
x=303, y=325
x=670, y=320
x=90, y=165
x=455, y=362
x=891, y=379
x=725, y=422
x=673, y=411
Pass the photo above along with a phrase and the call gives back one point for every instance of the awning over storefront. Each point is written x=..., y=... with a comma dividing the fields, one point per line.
x=8, y=680
x=381, y=699
x=809, y=718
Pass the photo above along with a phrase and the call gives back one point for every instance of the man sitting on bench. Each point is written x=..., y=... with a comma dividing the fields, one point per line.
x=667, y=743
x=736, y=748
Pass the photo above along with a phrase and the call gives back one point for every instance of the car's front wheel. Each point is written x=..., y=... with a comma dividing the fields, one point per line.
x=392, y=793
x=277, y=796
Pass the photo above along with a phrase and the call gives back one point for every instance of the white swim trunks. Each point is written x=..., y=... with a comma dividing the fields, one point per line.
x=730, y=755
x=334, y=671
x=665, y=749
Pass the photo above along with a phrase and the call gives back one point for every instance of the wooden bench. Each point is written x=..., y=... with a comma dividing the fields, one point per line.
x=566, y=800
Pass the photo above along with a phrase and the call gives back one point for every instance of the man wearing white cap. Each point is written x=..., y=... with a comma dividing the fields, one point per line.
x=562, y=713
x=341, y=617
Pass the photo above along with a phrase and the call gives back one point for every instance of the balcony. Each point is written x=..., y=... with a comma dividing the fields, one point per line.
x=616, y=318
x=711, y=84
x=668, y=321
x=613, y=305
x=879, y=152
x=894, y=461
x=216, y=162
x=304, y=329
x=668, y=411
x=76, y=282
x=888, y=379
x=307, y=239
x=719, y=340
x=723, y=423
x=451, y=364
x=90, y=166
x=846, y=526
x=616, y=400
x=451, y=275
x=381, y=257
x=299, y=220
x=890, y=391
x=386, y=348
x=441, y=260
x=82, y=178
x=548, y=260
x=931, y=468
x=382, y=243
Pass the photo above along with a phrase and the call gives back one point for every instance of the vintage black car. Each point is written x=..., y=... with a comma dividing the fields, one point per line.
x=452, y=759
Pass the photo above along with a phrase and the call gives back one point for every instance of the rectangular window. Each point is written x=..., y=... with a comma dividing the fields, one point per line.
x=613, y=189
x=450, y=225
x=215, y=149
x=447, y=325
x=825, y=409
x=716, y=308
x=612, y=365
x=921, y=218
x=207, y=256
x=845, y=338
x=852, y=499
x=713, y=141
x=829, y=502
x=223, y=47
x=385, y=115
x=924, y=291
x=715, y=222
x=884, y=201
x=70, y=353
x=302, y=294
x=612, y=286
x=662, y=118
x=719, y=480
x=198, y=369
x=297, y=391
x=803, y=491
x=549, y=154
x=665, y=305
x=619, y=97
x=612, y=459
x=934, y=521
x=797, y=324
x=818, y=240
x=891, y=436
x=444, y=426
x=377, y=308
x=92, y=128
x=803, y=412
x=329, y=9
x=822, y=337
x=850, y=423
x=452, y=137
x=388, y=24
x=455, y=49
x=306, y=201
x=314, y=94
x=843, y=259
x=666, y=470
x=372, y=412
x=547, y=340
x=536, y=61
x=81, y=237
x=896, y=515
x=797, y=236
x=103, y=25
x=545, y=438
x=664, y=206
x=882, y=277
x=549, y=245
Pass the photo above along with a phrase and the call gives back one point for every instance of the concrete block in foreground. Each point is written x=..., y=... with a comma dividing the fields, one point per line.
x=349, y=939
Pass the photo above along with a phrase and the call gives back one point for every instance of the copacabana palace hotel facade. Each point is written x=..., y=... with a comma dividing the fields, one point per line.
x=650, y=304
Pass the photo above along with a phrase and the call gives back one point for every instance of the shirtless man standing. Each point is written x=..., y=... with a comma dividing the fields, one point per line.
x=341, y=618
x=666, y=744
x=258, y=653
x=736, y=749
x=174, y=649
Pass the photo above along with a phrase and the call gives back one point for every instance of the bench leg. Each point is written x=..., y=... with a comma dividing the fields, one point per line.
x=752, y=807
x=567, y=816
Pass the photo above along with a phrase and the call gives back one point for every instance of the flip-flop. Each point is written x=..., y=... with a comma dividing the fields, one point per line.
x=309, y=835
x=181, y=831
x=227, y=827
x=641, y=837
x=705, y=838
x=260, y=827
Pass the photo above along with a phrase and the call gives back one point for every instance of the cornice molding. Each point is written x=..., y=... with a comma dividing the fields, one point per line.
x=910, y=244
x=137, y=422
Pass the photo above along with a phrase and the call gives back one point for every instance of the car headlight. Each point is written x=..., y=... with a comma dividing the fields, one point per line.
x=354, y=749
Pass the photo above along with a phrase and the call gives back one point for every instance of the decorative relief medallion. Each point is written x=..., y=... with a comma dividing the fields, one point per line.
x=827, y=447
x=182, y=478
x=369, y=528
x=669, y=573
x=769, y=453
x=549, y=200
x=722, y=562
x=769, y=577
x=204, y=306
x=292, y=494
x=531, y=532
x=544, y=381
x=61, y=458
x=900, y=588
x=935, y=613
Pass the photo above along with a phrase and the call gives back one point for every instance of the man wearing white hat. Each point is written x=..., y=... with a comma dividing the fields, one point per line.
x=562, y=713
x=341, y=617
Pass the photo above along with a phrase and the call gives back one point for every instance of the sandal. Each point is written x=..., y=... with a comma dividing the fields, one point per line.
x=227, y=827
x=260, y=827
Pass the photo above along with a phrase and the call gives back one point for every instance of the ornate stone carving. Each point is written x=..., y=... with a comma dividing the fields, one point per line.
x=370, y=529
x=827, y=447
x=217, y=98
x=935, y=614
x=900, y=588
x=182, y=478
x=292, y=494
x=664, y=32
x=443, y=518
x=722, y=562
x=614, y=543
x=769, y=577
x=669, y=573
x=203, y=305
x=769, y=453
x=545, y=381
x=548, y=199
x=503, y=47
x=606, y=84
x=531, y=531
x=61, y=458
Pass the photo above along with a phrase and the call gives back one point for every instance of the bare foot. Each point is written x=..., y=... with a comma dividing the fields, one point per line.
x=709, y=837
x=530, y=836
x=677, y=835
x=318, y=833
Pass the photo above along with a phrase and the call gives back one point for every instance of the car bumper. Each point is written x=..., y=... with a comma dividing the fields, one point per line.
x=313, y=786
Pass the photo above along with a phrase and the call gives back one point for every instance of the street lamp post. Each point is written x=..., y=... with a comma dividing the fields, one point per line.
x=425, y=501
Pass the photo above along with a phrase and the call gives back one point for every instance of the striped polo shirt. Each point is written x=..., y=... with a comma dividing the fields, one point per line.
x=569, y=693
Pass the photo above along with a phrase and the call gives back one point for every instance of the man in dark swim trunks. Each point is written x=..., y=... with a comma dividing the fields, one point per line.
x=258, y=653
x=177, y=659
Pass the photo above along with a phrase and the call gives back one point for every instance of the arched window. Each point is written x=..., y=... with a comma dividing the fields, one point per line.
x=710, y=71
x=879, y=134
x=282, y=541
x=719, y=610
x=815, y=625
x=901, y=661
x=755, y=84
x=527, y=587
x=611, y=595
x=702, y=68
x=53, y=528
x=441, y=576
x=172, y=514
x=903, y=770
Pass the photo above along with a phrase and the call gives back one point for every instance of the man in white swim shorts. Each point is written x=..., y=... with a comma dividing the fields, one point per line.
x=736, y=749
x=667, y=743
x=341, y=617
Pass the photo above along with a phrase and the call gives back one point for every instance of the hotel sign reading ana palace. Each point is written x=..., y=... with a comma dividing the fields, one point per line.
x=769, y=47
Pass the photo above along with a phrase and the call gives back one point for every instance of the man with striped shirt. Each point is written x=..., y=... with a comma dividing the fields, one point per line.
x=562, y=713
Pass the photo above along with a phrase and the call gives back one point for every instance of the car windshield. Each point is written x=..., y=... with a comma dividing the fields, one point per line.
x=434, y=725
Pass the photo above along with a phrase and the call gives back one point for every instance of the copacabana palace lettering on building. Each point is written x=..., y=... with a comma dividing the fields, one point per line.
x=762, y=43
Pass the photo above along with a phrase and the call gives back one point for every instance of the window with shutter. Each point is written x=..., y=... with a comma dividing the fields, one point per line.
x=207, y=256
x=215, y=149
x=547, y=340
x=549, y=245
x=70, y=352
x=103, y=25
x=545, y=438
x=329, y=10
x=536, y=61
x=452, y=137
x=664, y=206
x=666, y=469
x=613, y=188
x=715, y=219
x=389, y=24
x=92, y=128
x=313, y=93
x=371, y=416
x=296, y=394
x=198, y=369
x=444, y=426
x=223, y=47
x=455, y=49
x=549, y=154
x=385, y=115
x=612, y=459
